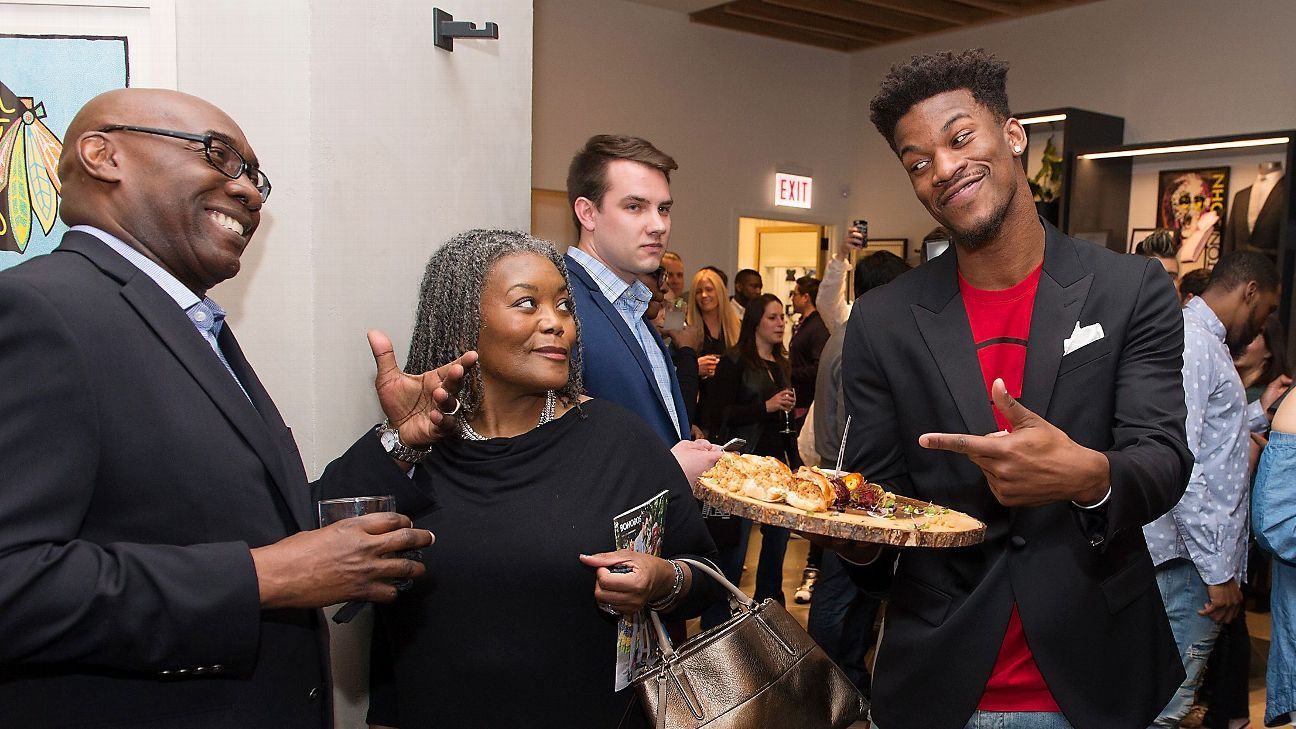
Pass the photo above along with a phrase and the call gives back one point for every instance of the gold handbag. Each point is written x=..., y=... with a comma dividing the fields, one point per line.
x=758, y=669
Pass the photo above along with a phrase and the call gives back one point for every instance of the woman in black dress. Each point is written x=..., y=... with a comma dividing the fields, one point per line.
x=516, y=623
x=710, y=308
x=751, y=399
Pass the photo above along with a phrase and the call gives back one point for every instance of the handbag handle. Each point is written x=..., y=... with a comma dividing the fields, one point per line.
x=663, y=640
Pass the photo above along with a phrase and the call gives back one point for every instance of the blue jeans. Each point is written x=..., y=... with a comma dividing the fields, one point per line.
x=1015, y=720
x=841, y=620
x=769, y=568
x=1184, y=593
x=730, y=561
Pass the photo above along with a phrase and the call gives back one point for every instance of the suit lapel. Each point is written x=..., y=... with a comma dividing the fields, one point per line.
x=1271, y=205
x=292, y=490
x=942, y=321
x=173, y=328
x=1063, y=288
x=617, y=323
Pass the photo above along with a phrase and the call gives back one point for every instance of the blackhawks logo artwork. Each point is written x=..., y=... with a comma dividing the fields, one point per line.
x=29, y=182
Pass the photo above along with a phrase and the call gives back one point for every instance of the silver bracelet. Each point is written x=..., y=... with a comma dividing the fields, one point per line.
x=676, y=589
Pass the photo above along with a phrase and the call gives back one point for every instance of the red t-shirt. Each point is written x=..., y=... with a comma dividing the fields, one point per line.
x=1000, y=322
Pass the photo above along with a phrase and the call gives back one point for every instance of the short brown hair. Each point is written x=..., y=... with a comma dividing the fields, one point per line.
x=587, y=175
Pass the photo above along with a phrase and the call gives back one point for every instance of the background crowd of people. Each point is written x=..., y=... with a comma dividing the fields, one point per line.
x=159, y=562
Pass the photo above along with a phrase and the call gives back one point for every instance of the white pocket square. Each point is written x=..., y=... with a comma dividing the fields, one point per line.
x=1082, y=336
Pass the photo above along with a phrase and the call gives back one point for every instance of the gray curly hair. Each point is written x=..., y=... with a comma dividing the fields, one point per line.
x=447, y=322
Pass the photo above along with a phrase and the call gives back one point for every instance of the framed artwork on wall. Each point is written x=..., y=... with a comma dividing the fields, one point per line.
x=1184, y=196
x=57, y=56
x=1137, y=235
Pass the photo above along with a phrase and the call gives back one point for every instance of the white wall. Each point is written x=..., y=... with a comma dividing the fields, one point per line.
x=732, y=109
x=380, y=146
x=1172, y=69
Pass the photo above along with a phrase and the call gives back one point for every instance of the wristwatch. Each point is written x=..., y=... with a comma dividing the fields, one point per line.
x=389, y=437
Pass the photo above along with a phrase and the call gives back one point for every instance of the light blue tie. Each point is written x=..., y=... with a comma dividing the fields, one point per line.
x=209, y=317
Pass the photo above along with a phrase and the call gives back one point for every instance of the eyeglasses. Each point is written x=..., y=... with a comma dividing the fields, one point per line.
x=220, y=155
x=660, y=277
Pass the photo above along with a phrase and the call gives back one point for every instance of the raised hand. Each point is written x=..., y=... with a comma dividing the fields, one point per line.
x=1033, y=464
x=417, y=404
x=348, y=560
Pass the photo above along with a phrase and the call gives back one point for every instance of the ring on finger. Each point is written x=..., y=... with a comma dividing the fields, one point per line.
x=607, y=608
x=455, y=409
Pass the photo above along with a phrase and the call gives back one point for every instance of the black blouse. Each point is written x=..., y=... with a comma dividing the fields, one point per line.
x=504, y=631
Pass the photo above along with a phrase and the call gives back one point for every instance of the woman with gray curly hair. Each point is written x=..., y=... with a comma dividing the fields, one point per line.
x=516, y=624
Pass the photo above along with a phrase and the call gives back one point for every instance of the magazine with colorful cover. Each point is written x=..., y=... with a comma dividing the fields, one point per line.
x=639, y=529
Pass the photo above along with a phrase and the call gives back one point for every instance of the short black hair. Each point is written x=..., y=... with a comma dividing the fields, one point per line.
x=923, y=77
x=1194, y=282
x=876, y=269
x=744, y=274
x=1162, y=243
x=1236, y=268
x=809, y=285
x=724, y=277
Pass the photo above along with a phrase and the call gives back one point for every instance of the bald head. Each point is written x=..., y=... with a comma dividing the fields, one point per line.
x=142, y=107
x=161, y=193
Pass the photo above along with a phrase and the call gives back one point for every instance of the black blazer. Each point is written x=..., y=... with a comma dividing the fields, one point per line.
x=1083, y=582
x=137, y=475
x=1268, y=225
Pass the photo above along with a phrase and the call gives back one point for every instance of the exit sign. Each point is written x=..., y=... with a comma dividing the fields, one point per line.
x=792, y=191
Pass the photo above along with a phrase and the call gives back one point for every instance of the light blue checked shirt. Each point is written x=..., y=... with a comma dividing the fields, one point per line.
x=206, y=315
x=1209, y=524
x=631, y=302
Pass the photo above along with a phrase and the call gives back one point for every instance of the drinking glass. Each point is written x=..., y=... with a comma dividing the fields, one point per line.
x=335, y=510
x=787, y=415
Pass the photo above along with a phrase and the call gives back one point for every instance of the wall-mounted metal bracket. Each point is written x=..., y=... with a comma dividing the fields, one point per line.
x=446, y=29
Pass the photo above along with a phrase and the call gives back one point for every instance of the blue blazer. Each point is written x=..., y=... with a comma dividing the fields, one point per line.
x=615, y=366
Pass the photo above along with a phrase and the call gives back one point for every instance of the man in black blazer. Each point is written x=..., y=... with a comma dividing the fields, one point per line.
x=1031, y=380
x=157, y=564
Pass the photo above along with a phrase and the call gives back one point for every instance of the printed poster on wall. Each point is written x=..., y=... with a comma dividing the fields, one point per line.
x=44, y=80
x=1184, y=196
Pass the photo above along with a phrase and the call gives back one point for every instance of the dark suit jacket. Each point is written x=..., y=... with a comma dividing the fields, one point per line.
x=1268, y=225
x=137, y=476
x=1083, y=581
x=615, y=366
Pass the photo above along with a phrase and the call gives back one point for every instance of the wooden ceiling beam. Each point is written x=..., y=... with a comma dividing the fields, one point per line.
x=877, y=17
x=943, y=10
x=717, y=16
x=757, y=10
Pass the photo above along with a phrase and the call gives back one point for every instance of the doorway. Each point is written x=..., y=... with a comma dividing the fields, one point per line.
x=781, y=251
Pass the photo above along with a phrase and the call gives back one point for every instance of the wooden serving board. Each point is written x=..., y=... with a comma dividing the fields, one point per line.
x=950, y=529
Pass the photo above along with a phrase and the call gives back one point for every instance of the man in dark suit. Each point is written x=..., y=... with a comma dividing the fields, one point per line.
x=157, y=564
x=619, y=188
x=1031, y=380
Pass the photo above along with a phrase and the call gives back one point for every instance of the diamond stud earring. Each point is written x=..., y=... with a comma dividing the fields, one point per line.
x=1017, y=149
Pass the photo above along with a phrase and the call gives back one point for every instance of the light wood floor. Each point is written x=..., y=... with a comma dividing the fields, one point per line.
x=1257, y=623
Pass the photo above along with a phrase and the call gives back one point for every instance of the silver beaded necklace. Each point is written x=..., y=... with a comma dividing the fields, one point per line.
x=551, y=404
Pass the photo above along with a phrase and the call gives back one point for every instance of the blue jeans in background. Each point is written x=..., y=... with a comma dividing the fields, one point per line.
x=769, y=568
x=841, y=620
x=1015, y=720
x=1184, y=593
